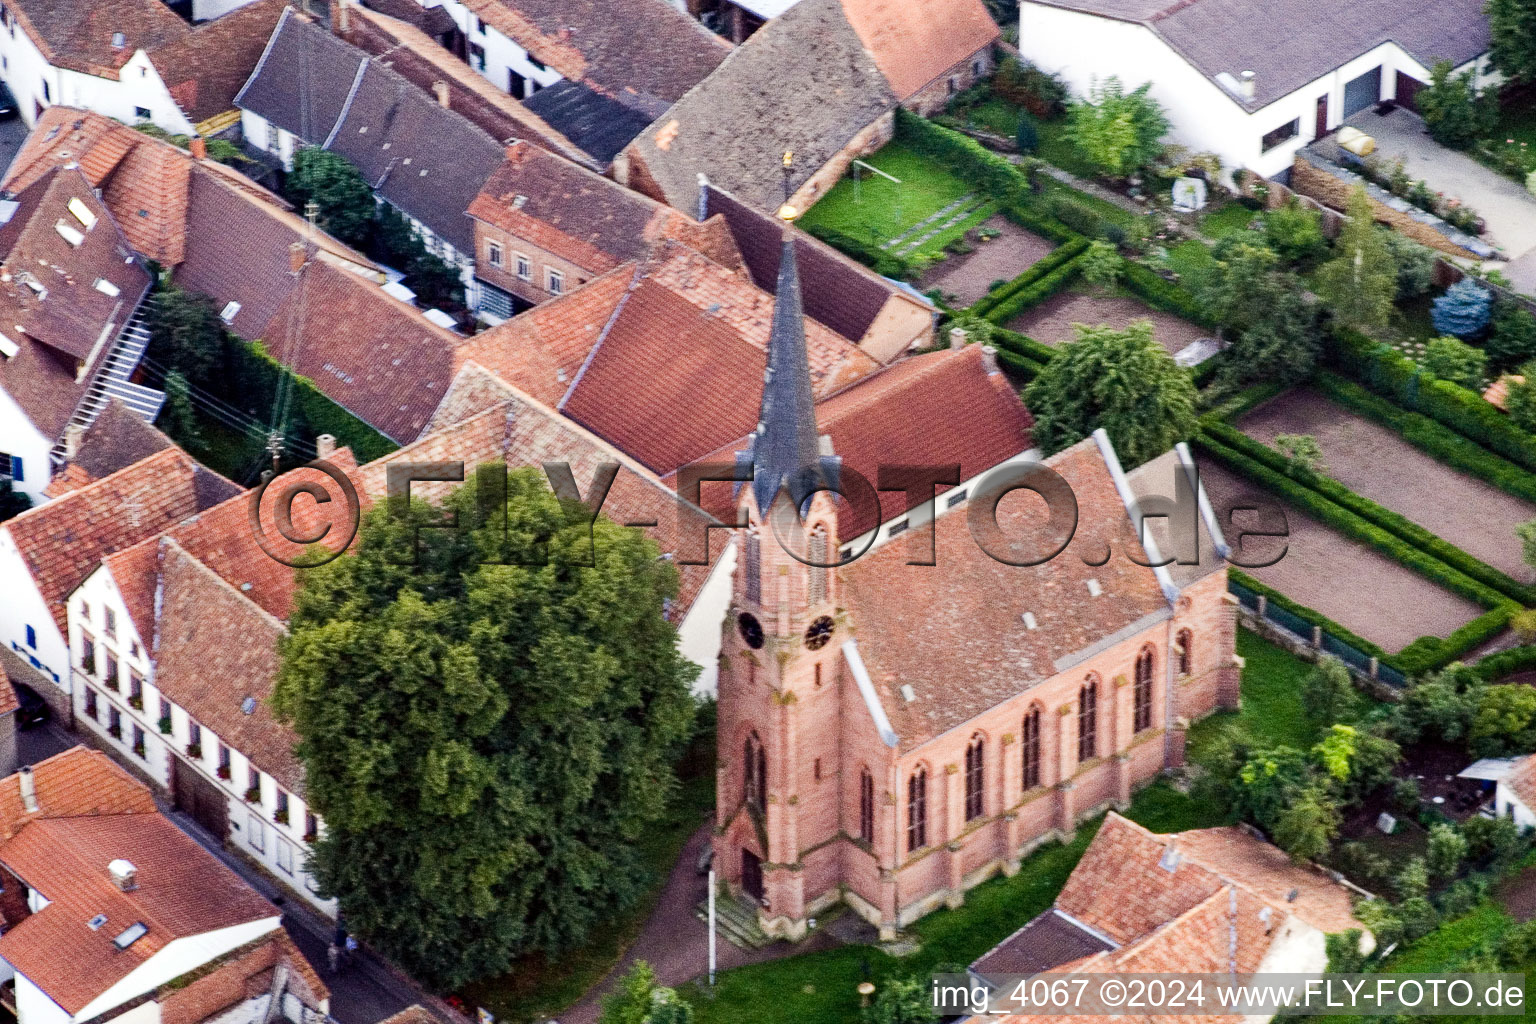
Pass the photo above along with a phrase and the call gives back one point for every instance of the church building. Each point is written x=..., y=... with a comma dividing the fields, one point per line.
x=891, y=734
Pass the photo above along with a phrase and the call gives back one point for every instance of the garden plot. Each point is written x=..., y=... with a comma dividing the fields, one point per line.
x=968, y=278
x=1362, y=590
x=1051, y=322
x=1375, y=462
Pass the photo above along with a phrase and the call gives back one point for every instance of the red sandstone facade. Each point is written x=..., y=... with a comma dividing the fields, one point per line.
x=816, y=806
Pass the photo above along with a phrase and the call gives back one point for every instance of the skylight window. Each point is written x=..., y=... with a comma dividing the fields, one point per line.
x=107, y=287
x=133, y=933
x=82, y=213
x=227, y=314
x=70, y=234
x=95, y=923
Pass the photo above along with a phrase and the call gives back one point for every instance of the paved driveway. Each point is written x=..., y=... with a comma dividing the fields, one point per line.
x=1508, y=208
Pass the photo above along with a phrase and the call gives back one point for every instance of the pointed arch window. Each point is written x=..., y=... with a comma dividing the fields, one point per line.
x=755, y=773
x=1143, y=699
x=1031, y=748
x=1186, y=652
x=866, y=806
x=754, y=567
x=1088, y=720
x=817, y=583
x=975, y=777
x=917, y=810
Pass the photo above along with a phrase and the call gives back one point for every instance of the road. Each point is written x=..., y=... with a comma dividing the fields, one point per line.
x=12, y=134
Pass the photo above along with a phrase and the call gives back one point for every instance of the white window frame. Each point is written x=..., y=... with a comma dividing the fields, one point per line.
x=524, y=267
x=554, y=281
x=493, y=254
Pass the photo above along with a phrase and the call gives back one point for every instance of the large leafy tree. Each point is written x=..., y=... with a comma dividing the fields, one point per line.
x=346, y=205
x=486, y=737
x=1455, y=113
x=1262, y=304
x=186, y=334
x=1118, y=132
x=1514, y=37
x=1123, y=381
x=1360, y=282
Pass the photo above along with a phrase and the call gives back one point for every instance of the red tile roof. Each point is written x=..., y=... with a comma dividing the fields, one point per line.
x=914, y=42
x=80, y=34
x=77, y=783
x=952, y=633
x=183, y=891
x=64, y=541
x=206, y=67
x=241, y=975
x=1522, y=781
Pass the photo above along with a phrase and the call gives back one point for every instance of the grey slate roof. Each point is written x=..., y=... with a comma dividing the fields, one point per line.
x=1288, y=43
x=419, y=156
x=1046, y=942
x=803, y=82
x=117, y=440
x=600, y=125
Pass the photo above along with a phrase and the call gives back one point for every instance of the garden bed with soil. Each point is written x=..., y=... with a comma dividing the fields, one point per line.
x=1359, y=588
x=1005, y=257
x=1375, y=462
x=1051, y=321
x=1518, y=895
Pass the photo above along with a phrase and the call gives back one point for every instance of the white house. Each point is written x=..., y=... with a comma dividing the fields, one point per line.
x=1255, y=80
x=113, y=911
x=1514, y=786
x=172, y=668
x=147, y=65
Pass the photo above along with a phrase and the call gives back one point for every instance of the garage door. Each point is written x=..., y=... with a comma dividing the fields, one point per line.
x=1362, y=92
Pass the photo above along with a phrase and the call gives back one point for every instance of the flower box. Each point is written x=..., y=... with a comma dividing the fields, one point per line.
x=115, y=731
x=281, y=817
x=138, y=750
x=223, y=772
x=165, y=725
x=253, y=795
x=310, y=837
x=136, y=701
x=195, y=751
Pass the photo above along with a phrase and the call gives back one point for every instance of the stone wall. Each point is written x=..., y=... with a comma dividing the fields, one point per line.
x=1332, y=185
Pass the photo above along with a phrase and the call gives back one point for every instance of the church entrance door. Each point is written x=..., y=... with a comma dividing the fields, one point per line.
x=752, y=876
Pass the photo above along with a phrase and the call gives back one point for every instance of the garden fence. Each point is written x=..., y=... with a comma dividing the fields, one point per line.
x=1316, y=637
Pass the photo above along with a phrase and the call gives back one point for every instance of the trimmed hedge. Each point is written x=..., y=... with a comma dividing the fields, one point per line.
x=1057, y=257
x=881, y=261
x=254, y=373
x=1425, y=654
x=1397, y=377
x=1020, y=368
x=1440, y=442
x=1031, y=219
x=964, y=156
x=1160, y=293
x=1023, y=344
x=1312, y=617
x=1035, y=292
x=1404, y=529
x=1507, y=663
x=1243, y=402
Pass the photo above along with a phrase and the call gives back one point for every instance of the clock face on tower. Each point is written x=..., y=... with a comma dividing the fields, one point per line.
x=751, y=630
x=818, y=633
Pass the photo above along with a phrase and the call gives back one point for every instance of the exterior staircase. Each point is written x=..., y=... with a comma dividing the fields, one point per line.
x=736, y=921
x=112, y=381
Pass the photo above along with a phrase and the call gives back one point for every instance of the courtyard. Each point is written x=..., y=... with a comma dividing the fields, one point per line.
x=1375, y=462
x=967, y=278
x=1051, y=322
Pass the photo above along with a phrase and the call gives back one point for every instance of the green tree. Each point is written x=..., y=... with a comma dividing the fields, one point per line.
x=488, y=719
x=1382, y=919
x=1513, y=340
x=1101, y=264
x=1027, y=137
x=1123, y=381
x=1513, y=23
x=1118, y=132
x=1454, y=360
x=1360, y=282
x=1495, y=841
x=186, y=334
x=1295, y=231
x=639, y=1000
x=12, y=502
x=1307, y=826
x=338, y=188
x=1441, y=705
x=437, y=284
x=1505, y=722
x=1275, y=326
x=1446, y=851
x=901, y=1001
x=1455, y=114
x=178, y=418
x=1413, y=879
x=1328, y=693
x=1268, y=781
x=1415, y=265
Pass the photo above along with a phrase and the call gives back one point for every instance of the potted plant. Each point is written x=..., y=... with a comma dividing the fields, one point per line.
x=138, y=748
x=253, y=795
x=310, y=837
x=280, y=816
x=115, y=731
x=165, y=725
x=195, y=751
x=223, y=772
x=136, y=701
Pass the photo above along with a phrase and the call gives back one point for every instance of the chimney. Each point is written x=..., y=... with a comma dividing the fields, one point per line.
x=298, y=255
x=440, y=90
x=325, y=446
x=124, y=875
x=199, y=147
x=339, y=16
x=989, y=359
x=1248, y=82
x=958, y=337
x=72, y=437
x=28, y=789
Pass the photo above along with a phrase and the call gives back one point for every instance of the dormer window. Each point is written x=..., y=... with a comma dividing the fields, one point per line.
x=119, y=40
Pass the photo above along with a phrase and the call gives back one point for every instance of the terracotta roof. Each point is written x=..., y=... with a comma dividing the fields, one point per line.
x=952, y=634
x=80, y=34
x=837, y=291
x=804, y=81
x=78, y=783
x=64, y=541
x=916, y=41
x=243, y=974
x=69, y=286
x=204, y=68
x=644, y=53
x=147, y=193
x=486, y=419
x=216, y=648
x=183, y=891
x=370, y=353
x=1521, y=781
x=1268, y=873
x=413, y=1014
x=568, y=210
x=8, y=701
x=117, y=440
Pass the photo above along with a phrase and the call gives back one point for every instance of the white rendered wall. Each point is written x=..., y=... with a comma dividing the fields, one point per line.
x=33, y=1007
x=23, y=68
x=20, y=436
x=21, y=605
x=503, y=57
x=698, y=636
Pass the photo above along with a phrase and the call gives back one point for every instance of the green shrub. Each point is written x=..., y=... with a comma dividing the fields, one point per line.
x=1027, y=138
x=1056, y=258
x=962, y=155
x=1415, y=265
x=1023, y=345
x=1035, y=292
x=881, y=261
x=1454, y=360
x=1041, y=222
x=1077, y=216
x=1295, y=231
x=1513, y=340
x=1163, y=294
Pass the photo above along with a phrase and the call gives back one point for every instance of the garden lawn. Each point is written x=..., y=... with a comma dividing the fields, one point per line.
x=1227, y=220
x=819, y=988
x=1272, y=712
x=884, y=209
x=1517, y=121
x=1055, y=148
